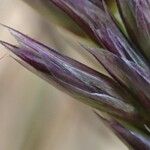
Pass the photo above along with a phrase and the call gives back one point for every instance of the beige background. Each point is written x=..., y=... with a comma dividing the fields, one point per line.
x=33, y=114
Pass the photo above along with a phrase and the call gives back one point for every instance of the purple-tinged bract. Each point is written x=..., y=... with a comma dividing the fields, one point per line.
x=125, y=94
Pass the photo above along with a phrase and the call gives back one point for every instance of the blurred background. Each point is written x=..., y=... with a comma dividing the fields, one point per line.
x=33, y=114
